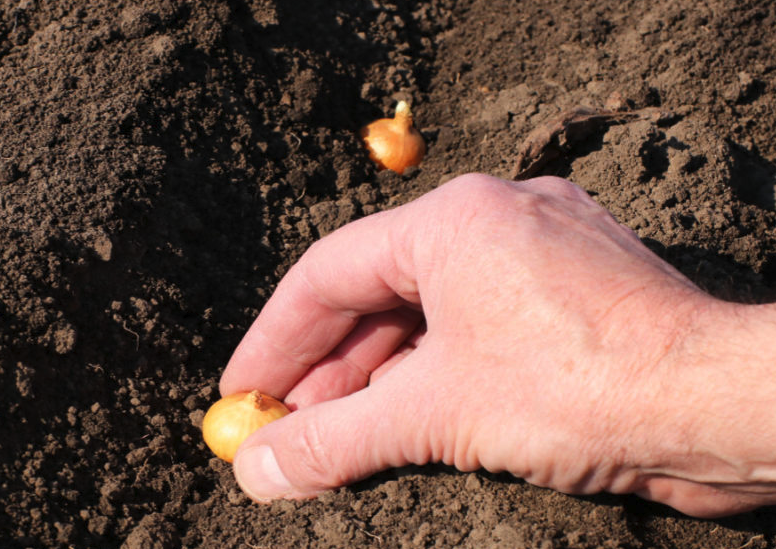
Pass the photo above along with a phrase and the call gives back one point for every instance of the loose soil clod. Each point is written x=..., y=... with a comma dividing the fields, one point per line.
x=558, y=135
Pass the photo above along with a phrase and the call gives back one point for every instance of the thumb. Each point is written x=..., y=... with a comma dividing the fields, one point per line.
x=333, y=443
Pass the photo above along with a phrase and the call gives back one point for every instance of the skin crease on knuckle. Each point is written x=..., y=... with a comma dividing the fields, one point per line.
x=312, y=458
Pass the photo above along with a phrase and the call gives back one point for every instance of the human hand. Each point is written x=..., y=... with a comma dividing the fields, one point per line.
x=506, y=326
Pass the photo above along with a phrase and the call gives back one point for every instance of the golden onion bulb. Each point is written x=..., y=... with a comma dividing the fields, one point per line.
x=229, y=421
x=394, y=143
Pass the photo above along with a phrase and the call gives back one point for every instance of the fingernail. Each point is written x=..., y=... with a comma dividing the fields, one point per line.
x=259, y=475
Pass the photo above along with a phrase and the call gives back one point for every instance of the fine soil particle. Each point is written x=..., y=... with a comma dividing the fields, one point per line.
x=163, y=163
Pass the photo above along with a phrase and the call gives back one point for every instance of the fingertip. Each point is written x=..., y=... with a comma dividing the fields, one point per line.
x=259, y=475
x=231, y=383
x=225, y=385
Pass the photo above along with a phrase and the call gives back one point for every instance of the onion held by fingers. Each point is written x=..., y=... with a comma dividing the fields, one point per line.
x=229, y=421
x=394, y=143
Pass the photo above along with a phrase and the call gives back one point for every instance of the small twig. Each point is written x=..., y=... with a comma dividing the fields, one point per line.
x=375, y=536
x=137, y=336
x=748, y=543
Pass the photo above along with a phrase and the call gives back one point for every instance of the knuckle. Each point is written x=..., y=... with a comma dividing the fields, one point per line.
x=530, y=203
x=555, y=182
x=471, y=186
x=469, y=194
x=313, y=457
x=532, y=213
x=559, y=187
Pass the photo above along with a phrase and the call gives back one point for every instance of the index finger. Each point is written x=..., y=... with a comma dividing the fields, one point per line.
x=359, y=269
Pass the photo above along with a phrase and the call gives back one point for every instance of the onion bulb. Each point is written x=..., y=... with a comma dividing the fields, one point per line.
x=394, y=143
x=229, y=421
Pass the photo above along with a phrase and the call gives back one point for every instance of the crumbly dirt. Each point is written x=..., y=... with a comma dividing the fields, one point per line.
x=163, y=163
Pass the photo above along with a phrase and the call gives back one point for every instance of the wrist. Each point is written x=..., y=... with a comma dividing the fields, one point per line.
x=712, y=414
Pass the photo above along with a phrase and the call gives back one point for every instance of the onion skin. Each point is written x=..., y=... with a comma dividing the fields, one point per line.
x=229, y=421
x=394, y=143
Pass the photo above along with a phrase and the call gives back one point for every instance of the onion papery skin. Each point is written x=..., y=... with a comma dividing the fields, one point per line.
x=394, y=143
x=232, y=419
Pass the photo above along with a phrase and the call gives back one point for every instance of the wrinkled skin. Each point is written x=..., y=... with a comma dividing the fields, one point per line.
x=513, y=327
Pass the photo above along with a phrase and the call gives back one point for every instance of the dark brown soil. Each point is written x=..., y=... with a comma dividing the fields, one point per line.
x=164, y=162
